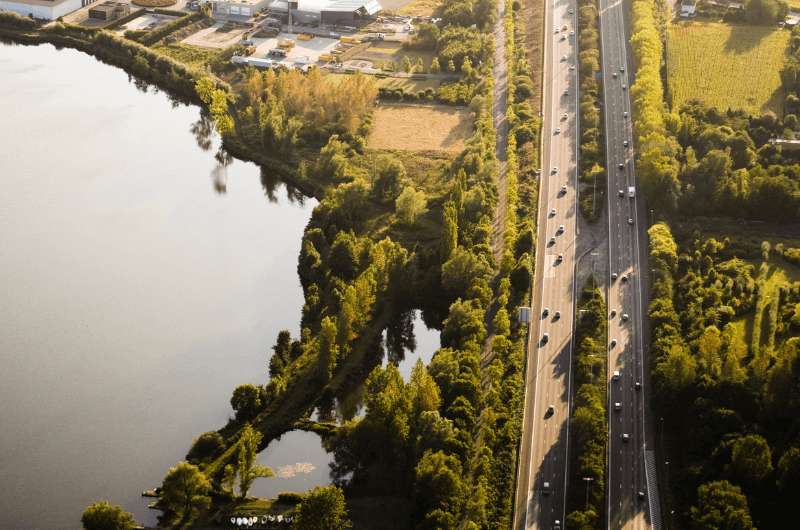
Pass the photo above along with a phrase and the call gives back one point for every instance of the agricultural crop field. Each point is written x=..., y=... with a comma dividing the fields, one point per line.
x=399, y=127
x=726, y=65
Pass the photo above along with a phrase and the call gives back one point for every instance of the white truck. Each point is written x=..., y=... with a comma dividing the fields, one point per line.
x=631, y=192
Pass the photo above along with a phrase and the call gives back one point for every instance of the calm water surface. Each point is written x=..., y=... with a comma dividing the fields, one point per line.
x=135, y=295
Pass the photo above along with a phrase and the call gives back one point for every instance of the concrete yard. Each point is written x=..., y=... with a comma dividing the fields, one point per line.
x=148, y=21
x=309, y=50
x=215, y=37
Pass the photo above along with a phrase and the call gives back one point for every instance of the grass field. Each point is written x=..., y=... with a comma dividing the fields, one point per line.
x=423, y=8
x=419, y=128
x=188, y=54
x=407, y=84
x=726, y=65
x=392, y=52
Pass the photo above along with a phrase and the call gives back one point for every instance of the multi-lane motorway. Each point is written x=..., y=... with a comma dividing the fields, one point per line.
x=540, y=500
x=542, y=474
x=627, y=494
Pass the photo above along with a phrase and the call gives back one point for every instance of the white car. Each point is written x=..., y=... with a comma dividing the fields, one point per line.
x=630, y=220
x=625, y=317
x=563, y=189
x=621, y=68
x=625, y=143
x=566, y=92
x=552, y=241
x=570, y=11
x=563, y=58
x=613, y=342
x=555, y=170
x=623, y=86
x=553, y=212
x=625, y=114
x=558, y=130
x=626, y=437
x=614, y=75
x=572, y=67
x=564, y=116
x=617, y=406
x=560, y=229
x=615, y=375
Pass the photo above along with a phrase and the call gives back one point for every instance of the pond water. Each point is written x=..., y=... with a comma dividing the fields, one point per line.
x=141, y=283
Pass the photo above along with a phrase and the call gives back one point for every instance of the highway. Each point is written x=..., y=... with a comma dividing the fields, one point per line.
x=627, y=492
x=540, y=499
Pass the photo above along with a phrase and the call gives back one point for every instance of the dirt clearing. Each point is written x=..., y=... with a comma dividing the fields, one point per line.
x=420, y=127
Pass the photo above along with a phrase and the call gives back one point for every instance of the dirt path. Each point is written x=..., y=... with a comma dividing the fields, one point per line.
x=499, y=105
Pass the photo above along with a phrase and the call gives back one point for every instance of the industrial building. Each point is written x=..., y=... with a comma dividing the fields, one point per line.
x=109, y=10
x=329, y=12
x=238, y=8
x=43, y=9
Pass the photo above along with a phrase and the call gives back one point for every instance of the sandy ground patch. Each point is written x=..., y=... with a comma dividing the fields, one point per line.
x=420, y=127
x=148, y=21
x=213, y=37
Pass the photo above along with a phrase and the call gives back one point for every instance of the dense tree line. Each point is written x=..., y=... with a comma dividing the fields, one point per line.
x=588, y=423
x=727, y=166
x=731, y=407
x=592, y=172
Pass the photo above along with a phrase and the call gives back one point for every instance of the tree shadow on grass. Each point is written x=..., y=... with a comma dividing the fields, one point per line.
x=744, y=38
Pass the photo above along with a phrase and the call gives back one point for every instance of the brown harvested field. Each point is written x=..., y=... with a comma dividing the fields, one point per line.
x=531, y=16
x=392, y=53
x=420, y=128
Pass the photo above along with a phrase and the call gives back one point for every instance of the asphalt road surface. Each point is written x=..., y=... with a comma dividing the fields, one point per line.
x=541, y=478
x=627, y=486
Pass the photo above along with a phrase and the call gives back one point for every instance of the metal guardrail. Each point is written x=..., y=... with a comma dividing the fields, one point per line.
x=652, y=490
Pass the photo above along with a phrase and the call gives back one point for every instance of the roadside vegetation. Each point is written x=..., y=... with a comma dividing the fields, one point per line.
x=592, y=170
x=589, y=423
x=724, y=199
x=727, y=66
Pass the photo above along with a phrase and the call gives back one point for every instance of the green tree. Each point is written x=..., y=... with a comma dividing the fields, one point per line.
x=721, y=506
x=410, y=205
x=751, y=458
x=246, y=402
x=104, y=516
x=390, y=176
x=406, y=65
x=435, y=67
x=246, y=465
x=439, y=483
x=206, y=446
x=343, y=258
x=185, y=490
x=463, y=327
x=764, y=11
x=323, y=509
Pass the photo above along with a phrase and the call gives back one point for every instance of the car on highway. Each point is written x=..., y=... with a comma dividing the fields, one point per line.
x=613, y=342
x=621, y=193
x=552, y=241
x=621, y=68
x=630, y=220
x=625, y=114
x=559, y=258
x=571, y=33
x=545, y=338
x=554, y=170
x=615, y=375
x=557, y=315
x=563, y=58
x=617, y=406
x=550, y=411
x=631, y=192
x=564, y=116
x=564, y=27
x=625, y=143
x=613, y=313
x=563, y=189
x=625, y=317
x=545, y=312
x=557, y=29
x=614, y=276
x=566, y=92
x=637, y=385
x=626, y=437
x=572, y=67
x=563, y=36
x=570, y=11
x=560, y=229
x=640, y=495
x=621, y=165
x=624, y=86
x=614, y=75
x=546, y=488
x=557, y=525
x=558, y=130
x=553, y=212
x=624, y=278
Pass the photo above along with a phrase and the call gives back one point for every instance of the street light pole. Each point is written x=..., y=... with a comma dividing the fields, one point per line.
x=588, y=480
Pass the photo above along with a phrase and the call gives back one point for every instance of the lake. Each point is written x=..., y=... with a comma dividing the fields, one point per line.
x=141, y=283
